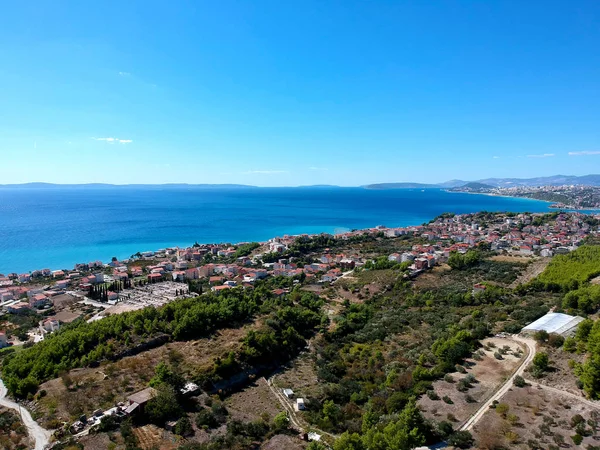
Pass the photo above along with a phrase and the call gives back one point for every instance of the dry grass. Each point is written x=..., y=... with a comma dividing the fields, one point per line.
x=300, y=377
x=560, y=375
x=283, y=442
x=253, y=402
x=534, y=415
x=489, y=372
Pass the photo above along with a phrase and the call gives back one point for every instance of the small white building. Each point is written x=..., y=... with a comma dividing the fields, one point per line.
x=300, y=406
x=288, y=393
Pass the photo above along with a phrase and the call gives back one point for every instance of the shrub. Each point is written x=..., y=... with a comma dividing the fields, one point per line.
x=502, y=409
x=556, y=340
x=447, y=399
x=541, y=361
x=461, y=439
x=448, y=378
x=432, y=395
x=470, y=399
x=577, y=439
x=519, y=381
x=570, y=345
x=461, y=369
x=498, y=355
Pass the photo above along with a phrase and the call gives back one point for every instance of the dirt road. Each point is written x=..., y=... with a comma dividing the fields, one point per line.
x=36, y=432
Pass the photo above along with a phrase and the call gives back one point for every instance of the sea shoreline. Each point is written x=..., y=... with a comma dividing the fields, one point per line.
x=73, y=226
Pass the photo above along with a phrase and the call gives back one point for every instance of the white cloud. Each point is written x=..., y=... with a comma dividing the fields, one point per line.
x=322, y=169
x=112, y=140
x=265, y=172
x=125, y=74
x=544, y=155
x=584, y=153
x=495, y=157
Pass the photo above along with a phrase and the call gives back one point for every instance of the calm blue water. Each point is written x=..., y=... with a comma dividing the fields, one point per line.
x=56, y=228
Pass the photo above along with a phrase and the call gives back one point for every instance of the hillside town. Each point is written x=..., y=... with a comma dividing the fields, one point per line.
x=153, y=278
x=576, y=197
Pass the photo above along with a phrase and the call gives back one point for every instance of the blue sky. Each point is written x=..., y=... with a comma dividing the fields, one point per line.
x=277, y=93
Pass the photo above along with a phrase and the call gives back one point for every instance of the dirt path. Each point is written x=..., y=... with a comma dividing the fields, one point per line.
x=296, y=421
x=476, y=417
x=40, y=435
x=536, y=267
x=579, y=398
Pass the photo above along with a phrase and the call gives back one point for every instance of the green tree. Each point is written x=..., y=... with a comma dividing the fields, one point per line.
x=541, y=361
x=349, y=441
x=281, y=421
x=164, y=406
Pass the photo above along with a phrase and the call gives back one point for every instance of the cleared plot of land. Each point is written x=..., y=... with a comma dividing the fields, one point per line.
x=489, y=373
x=81, y=391
x=560, y=375
x=535, y=418
x=281, y=442
x=253, y=402
x=300, y=377
x=535, y=268
x=151, y=437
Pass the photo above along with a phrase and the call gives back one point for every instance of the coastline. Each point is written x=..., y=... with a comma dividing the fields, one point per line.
x=553, y=205
x=139, y=220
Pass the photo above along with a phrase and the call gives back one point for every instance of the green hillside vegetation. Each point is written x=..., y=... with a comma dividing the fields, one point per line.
x=82, y=344
x=569, y=272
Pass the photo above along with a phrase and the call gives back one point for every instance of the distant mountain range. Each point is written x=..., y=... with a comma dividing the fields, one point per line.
x=107, y=186
x=556, y=180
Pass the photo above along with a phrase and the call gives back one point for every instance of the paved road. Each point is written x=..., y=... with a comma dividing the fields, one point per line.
x=39, y=434
x=469, y=424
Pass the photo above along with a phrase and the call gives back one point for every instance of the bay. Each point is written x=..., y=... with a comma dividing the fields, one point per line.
x=58, y=227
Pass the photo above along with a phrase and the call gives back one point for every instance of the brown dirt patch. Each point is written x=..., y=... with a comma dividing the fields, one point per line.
x=300, y=377
x=532, y=270
x=489, y=372
x=282, y=441
x=537, y=416
x=151, y=437
x=560, y=375
x=251, y=403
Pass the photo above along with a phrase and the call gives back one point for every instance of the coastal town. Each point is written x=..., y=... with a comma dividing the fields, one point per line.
x=154, y=278
x=574, y=197
x=41, y=302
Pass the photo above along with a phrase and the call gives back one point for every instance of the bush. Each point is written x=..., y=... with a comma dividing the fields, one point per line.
x=502, y=409
x=470, y=399
x=577, y=439
x=184, y=427
x=460, y=369
x=519, y=381
x=556, y=340
x=461, y=439
x=432, y=395
x=541, y=361
x=448, y=378
x=206, y=419
x=498, y=355
x=447, y=399
x=541, y=336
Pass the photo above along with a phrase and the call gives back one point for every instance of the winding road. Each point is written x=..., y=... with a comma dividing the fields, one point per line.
x=530, y=343
x=40, y=435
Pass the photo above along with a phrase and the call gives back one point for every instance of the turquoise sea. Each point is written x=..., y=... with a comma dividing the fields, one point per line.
x=56, y=227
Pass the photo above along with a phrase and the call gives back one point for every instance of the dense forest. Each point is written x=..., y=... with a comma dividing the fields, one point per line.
x=568, y=272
